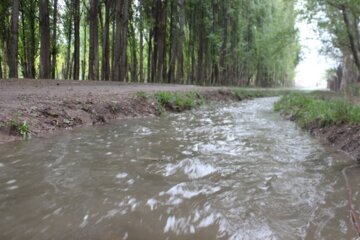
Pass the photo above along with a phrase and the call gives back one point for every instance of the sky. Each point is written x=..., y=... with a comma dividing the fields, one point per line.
x=310, y=73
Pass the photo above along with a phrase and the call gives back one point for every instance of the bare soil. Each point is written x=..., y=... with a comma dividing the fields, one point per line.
x=48, y=106
x=344, y=137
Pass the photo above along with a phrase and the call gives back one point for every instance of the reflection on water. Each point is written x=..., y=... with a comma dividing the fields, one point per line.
x=227, y=172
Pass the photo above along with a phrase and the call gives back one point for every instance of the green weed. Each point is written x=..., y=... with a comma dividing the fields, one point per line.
x=141, y=94
x=177, y=102
x=308, y=108
x=24, y=130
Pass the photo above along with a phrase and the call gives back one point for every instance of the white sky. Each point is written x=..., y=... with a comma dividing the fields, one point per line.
x=310, y=73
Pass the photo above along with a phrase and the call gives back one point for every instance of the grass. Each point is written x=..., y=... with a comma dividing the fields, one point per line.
x=310, y=108
x=181, y=101
x=248, y=93
x=178, y=102
x=141, y=94
x=23, y=129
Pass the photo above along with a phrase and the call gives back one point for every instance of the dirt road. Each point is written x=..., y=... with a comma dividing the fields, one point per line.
x=49, y=105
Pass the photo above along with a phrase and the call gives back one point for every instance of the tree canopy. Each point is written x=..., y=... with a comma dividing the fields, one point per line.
x=338, y=22
x=212, y=42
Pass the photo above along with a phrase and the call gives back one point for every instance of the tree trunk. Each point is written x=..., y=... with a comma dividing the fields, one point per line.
x=94, y=41
x=122, y=17
x=192, y=47
x=201, y=39
x=162, y=67
x=68, y=52
x=155, y=52
x=32, y=47
x=150, y=64
x=5, y=54
x=83, y=72
x=113, y=47
x=54, y=40
x=45, y=64
x=353, y=47
x=223, y=75
x=173, y=41
x=346, y=75
x=105, y=68
x=1, y=74
x=181, y=36
x=134, y=74
x=159, y=67
x=76, y=58
x=141, y=43
x=24, y=57
x=13, y=61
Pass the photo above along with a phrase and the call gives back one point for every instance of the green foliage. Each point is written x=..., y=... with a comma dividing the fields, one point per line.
x=141, y=94
x=13, y=124
x=329, y=15
x=164, y=98
x=228, y=42
x=22, y=129
x=310, y=108
x=178, y=102
x=243, y=93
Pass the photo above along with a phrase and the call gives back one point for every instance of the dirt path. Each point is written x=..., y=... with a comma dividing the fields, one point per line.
x=50, y=105
x=14, y=92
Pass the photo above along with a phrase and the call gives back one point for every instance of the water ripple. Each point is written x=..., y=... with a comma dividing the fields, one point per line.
x=234, y=171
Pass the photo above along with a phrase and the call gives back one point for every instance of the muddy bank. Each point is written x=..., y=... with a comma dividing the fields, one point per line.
x=38, y=108
x=344, y=137
x=326, y=116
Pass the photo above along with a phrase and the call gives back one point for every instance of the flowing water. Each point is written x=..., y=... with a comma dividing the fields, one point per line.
x=234, y=171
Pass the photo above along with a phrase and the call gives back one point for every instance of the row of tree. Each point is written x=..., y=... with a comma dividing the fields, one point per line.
x=208, y=42
x=339, y=24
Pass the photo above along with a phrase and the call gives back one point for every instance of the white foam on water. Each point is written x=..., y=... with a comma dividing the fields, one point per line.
x=125, y=236
x=152, y=203
x=179, y=225
x=193, y=168
x=245, y=231
x=84, y=222
x=133, y=204
x=11, y=182
x=170, y=224
x=130, y=181
x=121, y=175
x=184, y=191
x=13, y=188
x=206, y=222
x=196, y=169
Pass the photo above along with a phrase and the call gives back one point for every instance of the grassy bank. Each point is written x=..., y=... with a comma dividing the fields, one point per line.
x=327, y=116
x=324, y=109
x=178, y=102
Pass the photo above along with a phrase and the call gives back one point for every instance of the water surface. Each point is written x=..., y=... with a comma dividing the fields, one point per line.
x=234, y=171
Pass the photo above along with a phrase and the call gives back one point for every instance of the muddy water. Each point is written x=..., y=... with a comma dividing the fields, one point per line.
x=227, y=172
